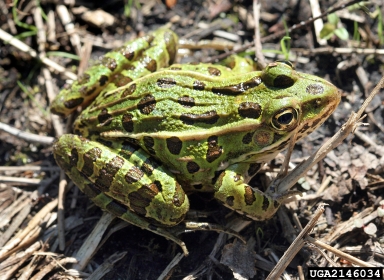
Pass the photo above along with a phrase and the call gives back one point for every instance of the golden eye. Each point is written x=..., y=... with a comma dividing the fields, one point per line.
x=285, y=119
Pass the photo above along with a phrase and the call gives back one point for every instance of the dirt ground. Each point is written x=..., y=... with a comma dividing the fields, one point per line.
x=43, y=225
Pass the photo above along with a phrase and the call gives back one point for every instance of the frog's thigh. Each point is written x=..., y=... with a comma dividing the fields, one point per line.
x=127, y=179
x=231, y=189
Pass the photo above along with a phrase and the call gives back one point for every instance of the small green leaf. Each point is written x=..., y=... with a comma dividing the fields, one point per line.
x=333, y=19
x=342, y=33
x=327, y=31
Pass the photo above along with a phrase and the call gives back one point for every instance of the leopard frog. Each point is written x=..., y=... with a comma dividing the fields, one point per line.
x=152, y=133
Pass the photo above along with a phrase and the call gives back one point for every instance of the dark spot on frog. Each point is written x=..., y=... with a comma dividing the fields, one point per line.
x=149, y=166
x=104, y=117
x=54, y=111
x=149, y=142
x=128, y=91
x=214, y=151
x=90, y=158
x=249, y=195
x=247, y=138
x=120, y=80
x=314, y=89
x=186, y=101
x=147, y=104
x=192, y=167
x=237, y=89
x=103, y=80
x=127, y=52
x=174, y=68
x=265, y=203
x=133, y=175
x=214, y=71
x=90, y=91
x=127, y=122
x=108, y=172
x=249, y=110
x=166, y=82
x=143, y=197
x=150, y=64
x=198, y=187
x=174, y=145
x=276, y=204
x=209, y=117
x=109, y=62
x=198, y=85
x=73, y=103
x=283, y=81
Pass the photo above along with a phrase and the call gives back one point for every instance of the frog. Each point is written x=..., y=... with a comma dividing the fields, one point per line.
x=151, y=132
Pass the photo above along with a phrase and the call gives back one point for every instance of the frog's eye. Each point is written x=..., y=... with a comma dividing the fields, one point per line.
x=285, y=119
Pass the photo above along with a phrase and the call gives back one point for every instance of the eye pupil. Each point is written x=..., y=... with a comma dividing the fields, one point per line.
x=285, y=118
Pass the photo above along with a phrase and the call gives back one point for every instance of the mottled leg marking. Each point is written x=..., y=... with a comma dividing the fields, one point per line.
x=232, y=190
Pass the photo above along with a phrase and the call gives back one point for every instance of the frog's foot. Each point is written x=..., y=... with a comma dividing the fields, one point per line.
x=233, y=191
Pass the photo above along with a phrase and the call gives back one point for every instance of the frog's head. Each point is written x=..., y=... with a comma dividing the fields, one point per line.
x=293, y=102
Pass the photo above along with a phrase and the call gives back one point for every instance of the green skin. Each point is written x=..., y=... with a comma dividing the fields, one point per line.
x=148, y=138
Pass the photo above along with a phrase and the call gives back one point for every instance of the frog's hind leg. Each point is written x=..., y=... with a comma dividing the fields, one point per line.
x=125, y=181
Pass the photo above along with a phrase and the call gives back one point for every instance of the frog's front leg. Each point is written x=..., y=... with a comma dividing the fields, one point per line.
x=123, y=180
x=232, y=189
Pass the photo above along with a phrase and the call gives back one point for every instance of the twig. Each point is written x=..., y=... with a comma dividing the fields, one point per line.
x=88, y=248
x=338, y=252
x=170, y=266
x=258, y=47
x=296, y=245
x=318, y=24
x=65, y=18
x=60, y=211
x=30, y=137
x=8, y=38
